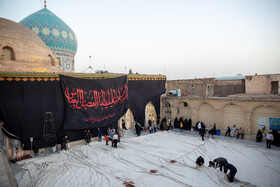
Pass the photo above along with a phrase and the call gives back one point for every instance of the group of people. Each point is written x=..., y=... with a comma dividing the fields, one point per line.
x=235, y=131
x=114, y=136
x=200, y=127
x=88, y=136
x=222, y=163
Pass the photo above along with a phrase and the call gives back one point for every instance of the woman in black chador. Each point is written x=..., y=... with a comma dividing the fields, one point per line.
x=259, y=136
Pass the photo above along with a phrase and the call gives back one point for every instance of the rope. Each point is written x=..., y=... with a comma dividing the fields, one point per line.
x=10, y=133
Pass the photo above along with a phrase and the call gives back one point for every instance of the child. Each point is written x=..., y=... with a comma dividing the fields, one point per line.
x=106, y=139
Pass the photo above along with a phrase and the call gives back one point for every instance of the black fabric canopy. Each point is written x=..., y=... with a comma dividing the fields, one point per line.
x=24, y=101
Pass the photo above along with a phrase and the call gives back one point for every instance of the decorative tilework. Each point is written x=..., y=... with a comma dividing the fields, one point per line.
x=52, y=30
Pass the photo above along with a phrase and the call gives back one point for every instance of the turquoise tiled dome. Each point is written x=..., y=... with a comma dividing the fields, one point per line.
x=52, y=30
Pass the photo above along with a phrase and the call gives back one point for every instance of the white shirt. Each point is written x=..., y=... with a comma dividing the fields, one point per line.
x=115, y=137
x=269, y=137
x=199, y=126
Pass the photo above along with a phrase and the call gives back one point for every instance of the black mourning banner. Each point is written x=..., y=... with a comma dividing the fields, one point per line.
x=93, y=103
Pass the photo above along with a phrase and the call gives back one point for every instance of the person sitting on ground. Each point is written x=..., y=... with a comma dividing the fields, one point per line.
x=232, y=172
x=221, y=162
x=228, y=131
x=199, y=161
x=259, y=136
x=64, y=143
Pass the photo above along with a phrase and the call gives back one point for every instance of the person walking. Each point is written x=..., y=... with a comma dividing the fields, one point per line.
x=269, y=139
x=115, y=140
x=202, y=133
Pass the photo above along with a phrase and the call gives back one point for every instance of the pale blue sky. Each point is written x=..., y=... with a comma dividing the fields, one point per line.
x=184, y=38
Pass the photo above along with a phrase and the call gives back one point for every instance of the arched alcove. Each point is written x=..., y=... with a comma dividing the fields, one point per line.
x=183, y=110
x=150, y=113
x=260, y=116
x=128, y=119
x=51, y=60
x=232, y=114
x=206, y=114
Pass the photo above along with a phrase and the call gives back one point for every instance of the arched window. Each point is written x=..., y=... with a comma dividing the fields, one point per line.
x=167, y=108
x=52, y=60
x=59, y=61
x=8, y=53
x=73, y=65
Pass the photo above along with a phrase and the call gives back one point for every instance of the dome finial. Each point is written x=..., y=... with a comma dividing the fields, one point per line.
x=45, y=4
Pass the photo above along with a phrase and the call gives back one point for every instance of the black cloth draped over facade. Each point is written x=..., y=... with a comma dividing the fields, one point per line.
x=142, y=92
x=24, y=101
x=93, y=103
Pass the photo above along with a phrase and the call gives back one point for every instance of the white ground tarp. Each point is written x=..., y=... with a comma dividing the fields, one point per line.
x=145, y=161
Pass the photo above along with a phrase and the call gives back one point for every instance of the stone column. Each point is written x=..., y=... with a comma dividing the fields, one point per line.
x=248, y=124
x=218, y=119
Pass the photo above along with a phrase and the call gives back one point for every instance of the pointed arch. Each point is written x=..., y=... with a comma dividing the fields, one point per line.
x=150, y=113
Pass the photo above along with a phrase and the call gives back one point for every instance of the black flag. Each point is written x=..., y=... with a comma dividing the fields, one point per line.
x=93, y=103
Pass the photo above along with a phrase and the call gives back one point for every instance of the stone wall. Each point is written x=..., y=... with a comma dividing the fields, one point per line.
x=222, y=111
x=223, y=88
x=207, y=87
x=261, y=84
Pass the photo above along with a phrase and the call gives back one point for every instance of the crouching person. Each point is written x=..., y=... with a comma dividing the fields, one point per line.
x=199, y=161
x=232, y=172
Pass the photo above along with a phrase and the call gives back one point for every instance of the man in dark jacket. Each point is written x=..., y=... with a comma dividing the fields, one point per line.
x=221, y=162
x=232, y=172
